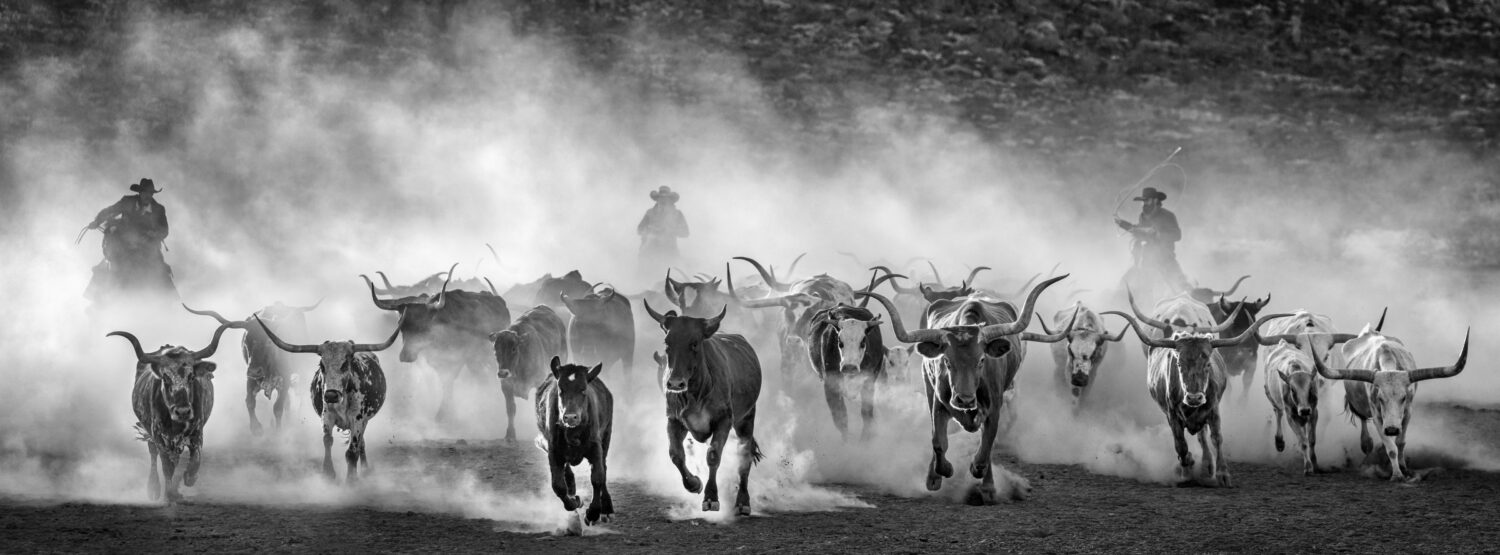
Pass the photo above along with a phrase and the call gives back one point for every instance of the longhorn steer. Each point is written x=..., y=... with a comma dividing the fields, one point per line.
x=1079, y=357
x=1185, y=375
x=972, y=353
x=575, y=414
x=846, y=345
x=267, y=369
x=712, y=383
x=1292, y=383
x=522, y=351
x=451, y=331
x=1239, y=360
x=347, y=391
x=1379, y=384
x=172, y=399
x=602, y=328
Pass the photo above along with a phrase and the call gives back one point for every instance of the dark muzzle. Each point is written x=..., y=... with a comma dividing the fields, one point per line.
x=965, y=402
x=571, y=419
x=332, y=397
x=676, y=385
x=1304, y=412
x=182, y=413
x=503, y=373
x=1194, y=399
x=1392, y=431
x=1080, y=380
x=848, y=369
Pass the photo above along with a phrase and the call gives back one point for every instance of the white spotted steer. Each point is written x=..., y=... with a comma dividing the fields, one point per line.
x=1079, y=358
x=1292, y=384
x=347, y=391
x=172, y=399
x=1379, y=384
x=575, y=415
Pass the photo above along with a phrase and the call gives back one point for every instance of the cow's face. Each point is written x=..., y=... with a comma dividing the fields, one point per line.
x=572, y=391
x=1085, y=352
x=1299, y=389
x=339, y=380
x=854, y=335
x=1194, y=367
x=507, y=351
x=1391, y=394
x=961, y=354
x=179, y=373
x=898, y=360
x=684, y=349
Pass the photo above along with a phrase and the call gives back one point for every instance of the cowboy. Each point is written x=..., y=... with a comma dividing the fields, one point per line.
x=661, y=226
x=1155, y=237
x=134, y=229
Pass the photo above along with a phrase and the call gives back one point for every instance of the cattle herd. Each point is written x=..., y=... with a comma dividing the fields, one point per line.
x=967, y=345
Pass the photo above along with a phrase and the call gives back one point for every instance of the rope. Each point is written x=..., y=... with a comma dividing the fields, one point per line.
x=1123, y=195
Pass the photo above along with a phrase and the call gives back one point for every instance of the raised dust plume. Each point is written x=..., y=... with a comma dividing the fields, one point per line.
x=288, y=174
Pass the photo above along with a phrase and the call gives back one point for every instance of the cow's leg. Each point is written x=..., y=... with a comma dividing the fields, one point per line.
x=749, y=455
x=1206, y=451
x=169, y=458
x=1184, y=456
x=980, y=467
x=676, y=432
x=1276, y=418
x=278, y=408
x=1301, y=431
x=153, y=482
x=867, y=407
x=508, y=390
x=1221, y=463
x=1366, y=443
x=1245, y=379
x=328, y=450
x=1401, y=449
x=195, y=447
x=250, y=389
x=940, y=468
x=715, y=455
x=1310, y=461
x=562, y=480
x=351, y=455
x=601, y=507
x=833, y=391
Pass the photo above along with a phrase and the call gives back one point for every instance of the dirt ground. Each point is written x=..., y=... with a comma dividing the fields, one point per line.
x=1273, y=509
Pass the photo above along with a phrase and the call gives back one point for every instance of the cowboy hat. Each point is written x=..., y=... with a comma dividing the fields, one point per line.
x=664, y=193
x=137, y=187
x=1150, y=193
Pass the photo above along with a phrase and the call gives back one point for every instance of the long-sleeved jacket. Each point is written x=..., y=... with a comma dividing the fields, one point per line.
x=1158, y=229
x=150, y=220
x=663, y=221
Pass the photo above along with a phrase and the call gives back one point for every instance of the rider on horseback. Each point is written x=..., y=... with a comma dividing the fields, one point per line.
x=134, y=229
x=1154, y=240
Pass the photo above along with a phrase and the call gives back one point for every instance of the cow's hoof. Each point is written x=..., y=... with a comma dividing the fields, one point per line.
x=1280, y=444
x=510, y=437
x=591, y=517
x=944, y=468
x=1223, y=480
x=571, y=503
x=977, y=469
x=980, y=495
x=255, y=429
x=153, y=492
x=711, y=506
x=741, y=510
x=173, y=497
x=329, y=473
x=934, y=482
x=692, y=483
x=189, y=478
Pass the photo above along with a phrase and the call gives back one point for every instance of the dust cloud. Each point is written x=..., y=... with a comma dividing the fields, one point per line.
x=289, y=173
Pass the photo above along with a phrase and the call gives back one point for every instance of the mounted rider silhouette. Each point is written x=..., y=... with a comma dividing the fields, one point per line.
x=1153, y=245
x=134, y=229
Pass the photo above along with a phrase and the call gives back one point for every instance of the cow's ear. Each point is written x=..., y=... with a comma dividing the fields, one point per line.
x=656, y=356
x=997, y=348
x=204, y=369
x=149, y=367
x=930, y=349
x=556, y=363
x=594, y=373
x=494, y=335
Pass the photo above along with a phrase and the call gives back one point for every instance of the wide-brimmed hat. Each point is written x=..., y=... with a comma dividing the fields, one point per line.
x=1150, y=193
x=664, y=193
x=144, y=184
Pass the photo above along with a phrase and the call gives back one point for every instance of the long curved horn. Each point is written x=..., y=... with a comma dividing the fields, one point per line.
x=372, y=285
x=493, y=291
x=1254, y=328
x=1158, y=324
x=1050, y=337
x=876, y=283
x=288, y=347
x=1043, y=322
x=214, y=344
x=140, y=355
x=1132, y=323
x=1381, y=323
x=995, y=330
x=970, y=280
x=381, y=304
x=793, y=267
x=654, y=314
x=1226, y=324
x=857, y=261
x=369, y=348
x=1444, y=371
x=1105, y=331
x=442, y=297
x=713, y=323
x=1357, y=374
x=1024, y=286
x=935, y=277
x=215, y=315
x=770, y=280
x=897, y=327
x=385, y=280
x=898, y=288
x=304, y=308
x=1232, y=288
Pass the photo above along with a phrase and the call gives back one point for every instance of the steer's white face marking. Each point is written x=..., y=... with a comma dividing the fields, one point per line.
x=1393, y=393
x=852, y=342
